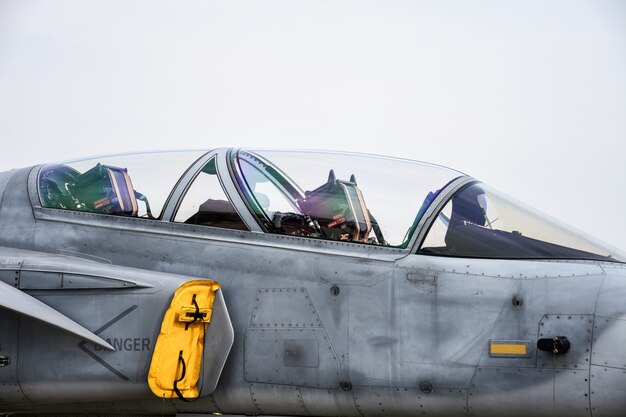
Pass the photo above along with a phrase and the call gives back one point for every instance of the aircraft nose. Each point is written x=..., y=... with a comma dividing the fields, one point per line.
x=607, y=372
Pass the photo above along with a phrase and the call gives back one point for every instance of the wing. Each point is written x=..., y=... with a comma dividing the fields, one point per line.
x=16, y=300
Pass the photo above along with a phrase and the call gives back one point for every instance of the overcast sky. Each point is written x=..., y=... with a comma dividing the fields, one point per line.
x=528, y=96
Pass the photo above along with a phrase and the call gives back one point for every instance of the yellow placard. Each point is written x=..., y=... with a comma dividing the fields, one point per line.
x=518, y=349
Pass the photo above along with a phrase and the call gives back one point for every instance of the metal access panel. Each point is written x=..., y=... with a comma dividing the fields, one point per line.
x=286, y=342
x=403, y=402
x=300, y=357
x=10, y=391
x=553, y=392
x=608, y=367
x=577, y=328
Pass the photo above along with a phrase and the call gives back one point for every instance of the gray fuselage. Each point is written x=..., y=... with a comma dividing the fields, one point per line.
x=323, y=328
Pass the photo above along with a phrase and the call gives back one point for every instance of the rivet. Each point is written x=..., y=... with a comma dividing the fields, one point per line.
x=426, y=387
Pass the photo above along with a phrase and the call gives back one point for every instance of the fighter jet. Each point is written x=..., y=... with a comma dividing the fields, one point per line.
x=240, y=282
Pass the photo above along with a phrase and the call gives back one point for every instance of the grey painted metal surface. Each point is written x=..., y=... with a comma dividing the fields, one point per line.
x=301, y=326
x=18, y=301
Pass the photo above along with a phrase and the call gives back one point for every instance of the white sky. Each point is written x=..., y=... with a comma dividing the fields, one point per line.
x=529, y=96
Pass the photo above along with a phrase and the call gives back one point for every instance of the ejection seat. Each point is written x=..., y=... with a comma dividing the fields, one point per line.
x=105, y=189
x=102, y=189
x=339, y=208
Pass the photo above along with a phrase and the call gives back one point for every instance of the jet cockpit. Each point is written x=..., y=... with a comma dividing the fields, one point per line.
x=352, y=198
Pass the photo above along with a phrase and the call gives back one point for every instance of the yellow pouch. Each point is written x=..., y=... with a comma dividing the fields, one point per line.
x=178, y=351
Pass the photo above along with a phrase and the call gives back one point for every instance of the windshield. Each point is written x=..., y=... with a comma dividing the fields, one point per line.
x=481, y=222
x=346, y=197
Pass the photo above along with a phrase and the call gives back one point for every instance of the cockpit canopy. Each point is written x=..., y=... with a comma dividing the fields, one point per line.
x=322, y=195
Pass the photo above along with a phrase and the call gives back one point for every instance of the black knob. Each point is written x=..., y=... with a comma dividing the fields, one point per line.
x=557, y=345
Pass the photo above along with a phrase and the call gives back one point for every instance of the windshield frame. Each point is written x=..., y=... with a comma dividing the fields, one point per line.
x=430, y=215
x=279, y=179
